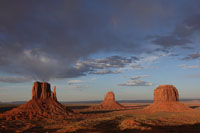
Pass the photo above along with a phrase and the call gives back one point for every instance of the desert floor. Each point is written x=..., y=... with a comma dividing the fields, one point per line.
x=133, y=119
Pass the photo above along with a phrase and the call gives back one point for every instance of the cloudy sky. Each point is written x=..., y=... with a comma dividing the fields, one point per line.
x=89, y=47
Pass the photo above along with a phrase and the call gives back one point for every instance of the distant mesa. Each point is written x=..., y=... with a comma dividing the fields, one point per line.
x=109, y=103
x=166, y=99
x=43, y=104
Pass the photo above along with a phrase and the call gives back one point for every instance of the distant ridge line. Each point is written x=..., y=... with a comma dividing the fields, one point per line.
x=98, y=101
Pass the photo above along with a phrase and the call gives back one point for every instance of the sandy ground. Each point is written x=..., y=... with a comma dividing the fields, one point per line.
x=132, y=119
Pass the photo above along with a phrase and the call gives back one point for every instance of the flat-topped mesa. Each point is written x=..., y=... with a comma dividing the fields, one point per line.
x=166, y=99
x=166, y=93
x=43, y=91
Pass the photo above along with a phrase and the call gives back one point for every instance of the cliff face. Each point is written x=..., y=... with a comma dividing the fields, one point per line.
x=166, y=99
x=166, y=93
x=43, y=91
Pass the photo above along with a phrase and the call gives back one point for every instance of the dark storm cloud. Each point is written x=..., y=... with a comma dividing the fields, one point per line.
x=161, y=50
x=46, y=39
x=170, y=41
x=192, y=56
x=182, y=34
x=14, y=79
x=190, y=26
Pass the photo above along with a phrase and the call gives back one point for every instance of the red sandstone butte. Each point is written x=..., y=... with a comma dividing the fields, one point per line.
x=109, y=103
x=43, y=104
x=166, y=99
x=43, y=91
x=166, y=93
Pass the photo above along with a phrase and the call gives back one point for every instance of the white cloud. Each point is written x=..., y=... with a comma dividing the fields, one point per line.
x=189, y=66
x=106, y=71
x=136, y=81
x=139, y=77
x=71, y=82
x=109, y=62
x=151, y=58
x=78, y=87
x=107, y=65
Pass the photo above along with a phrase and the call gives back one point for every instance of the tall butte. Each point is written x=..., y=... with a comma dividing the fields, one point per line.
x=166, y=99
x=109, y=103
x=43, y=91
x=43, y=104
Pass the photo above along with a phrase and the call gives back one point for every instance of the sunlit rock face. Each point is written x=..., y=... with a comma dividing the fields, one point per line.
x=109, y=103
x=43, y=105
x=166, y=93
x=109, y=100
x=166, y=99
x=109, y=97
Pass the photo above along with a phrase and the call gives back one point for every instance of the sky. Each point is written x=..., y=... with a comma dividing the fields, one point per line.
x=89, y=47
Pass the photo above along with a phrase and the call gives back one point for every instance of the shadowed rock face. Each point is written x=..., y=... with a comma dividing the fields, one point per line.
x=43, y=91
x=166, y=93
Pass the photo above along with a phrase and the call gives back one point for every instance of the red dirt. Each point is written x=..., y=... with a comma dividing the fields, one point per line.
x=166, y=99
x=43, y=104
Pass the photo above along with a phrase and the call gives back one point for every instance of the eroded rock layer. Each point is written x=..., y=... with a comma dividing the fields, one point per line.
x=165, y=93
